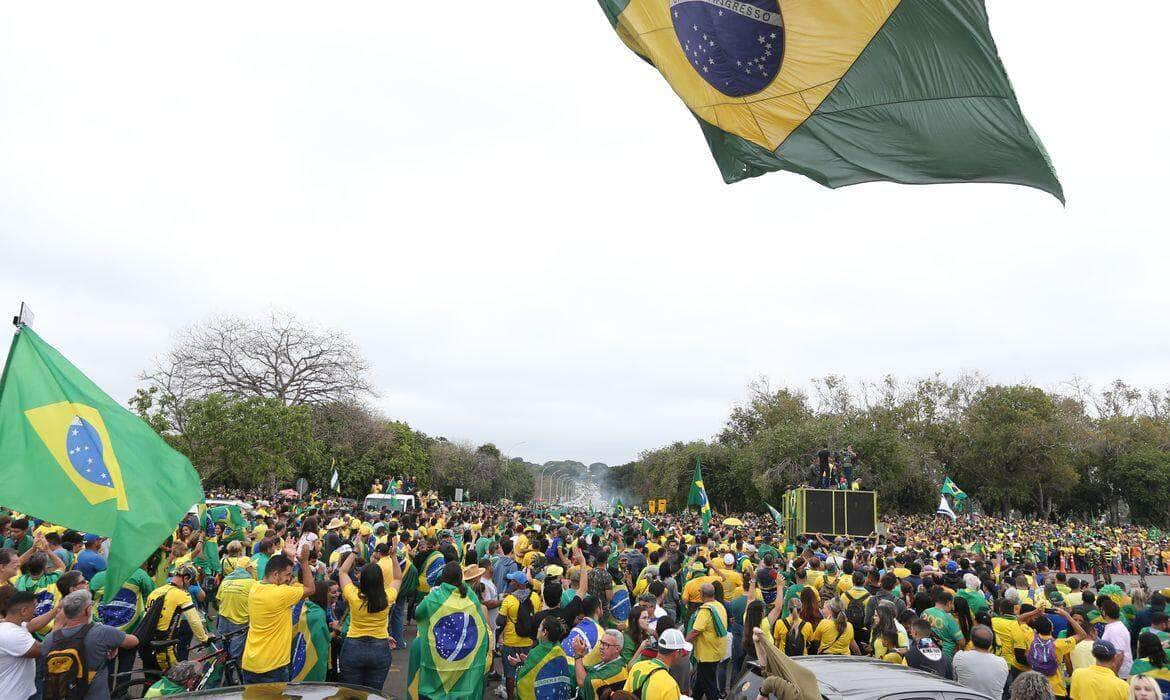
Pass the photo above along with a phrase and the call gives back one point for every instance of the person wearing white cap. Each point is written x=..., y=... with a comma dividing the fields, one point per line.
x=651, y=679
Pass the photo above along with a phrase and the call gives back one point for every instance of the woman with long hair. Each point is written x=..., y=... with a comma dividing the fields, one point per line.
x=791, y=634
x=962, y=613
x=810, y=608
x=834, y=633
x=885, y=627
x=1151, y=660
x=365, y=653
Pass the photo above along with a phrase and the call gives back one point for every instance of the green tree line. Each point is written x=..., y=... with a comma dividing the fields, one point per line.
x=1015, y=449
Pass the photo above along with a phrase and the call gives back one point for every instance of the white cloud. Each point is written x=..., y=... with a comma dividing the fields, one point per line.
x=523, y=228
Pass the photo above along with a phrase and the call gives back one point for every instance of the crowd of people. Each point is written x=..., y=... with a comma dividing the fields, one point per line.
x=521, y=602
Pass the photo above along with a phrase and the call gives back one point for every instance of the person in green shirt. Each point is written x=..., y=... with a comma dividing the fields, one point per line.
x=260, y=558
x=19, y=536
x=944, y=625
x=971, y=593
x=483, y=545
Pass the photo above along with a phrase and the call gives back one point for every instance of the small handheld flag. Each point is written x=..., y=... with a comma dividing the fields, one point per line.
x=335, y=480
x=72, y=455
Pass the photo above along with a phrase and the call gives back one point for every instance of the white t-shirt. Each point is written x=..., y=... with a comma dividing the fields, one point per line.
x=17, y=674
x=489, y=594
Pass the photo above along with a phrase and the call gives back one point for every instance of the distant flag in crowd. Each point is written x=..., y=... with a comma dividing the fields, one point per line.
x=909, y=91
x=698, y=496
x=72, y=455
x=335, y=480
x=949, y=488
x=618, y=508
x=648, y=528
x=944, y=508
x=451, y=659
x=775, y=514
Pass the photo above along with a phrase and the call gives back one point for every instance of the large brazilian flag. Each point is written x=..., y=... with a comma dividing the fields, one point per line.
x=842, y=91
x=449, y=657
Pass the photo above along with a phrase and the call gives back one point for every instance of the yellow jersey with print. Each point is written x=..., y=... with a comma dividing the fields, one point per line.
x=232, y=598
x=831, y=641
x=270, y=629
x=175, y=601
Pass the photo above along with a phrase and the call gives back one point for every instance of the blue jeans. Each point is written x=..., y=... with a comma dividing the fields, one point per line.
x=276, y=675
x=398, y=620
x=727, y=670
x=365, y=661
x=236, y=644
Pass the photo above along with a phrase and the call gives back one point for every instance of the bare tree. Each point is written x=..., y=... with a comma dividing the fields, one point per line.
x=278, y=357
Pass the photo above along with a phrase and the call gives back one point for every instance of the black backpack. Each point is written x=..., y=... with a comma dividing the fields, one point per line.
x=794, y=643
x=855, y=613
x=147, y=628
x=67, y=675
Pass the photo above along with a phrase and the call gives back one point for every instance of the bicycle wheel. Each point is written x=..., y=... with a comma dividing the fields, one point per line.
x=134, y=688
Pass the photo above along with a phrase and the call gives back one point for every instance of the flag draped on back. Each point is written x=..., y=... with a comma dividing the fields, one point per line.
x=303, y=657
x=74, y=456
x=449, y=657
x=546, y=674
x=698, y=496
x=909, y=91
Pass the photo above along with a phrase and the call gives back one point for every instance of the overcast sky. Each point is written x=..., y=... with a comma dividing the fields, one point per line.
x=523, y=228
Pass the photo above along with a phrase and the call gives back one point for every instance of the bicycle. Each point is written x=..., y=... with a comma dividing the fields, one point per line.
x=220, y=669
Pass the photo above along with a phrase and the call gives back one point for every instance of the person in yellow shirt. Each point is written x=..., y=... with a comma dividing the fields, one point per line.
x=791, y=634
x=270, y=631
x=513, y=644
x=1012, y=634
x=232, y=599
x=834, y=633
x=177, y=608
x=732, y=579
x=708, y=634
x=365, y=653
x=651, y=679
x=1100, y=681
x=1061, y=648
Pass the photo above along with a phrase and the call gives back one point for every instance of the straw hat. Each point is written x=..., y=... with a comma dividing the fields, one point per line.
x=335, y=523
x=471, y=572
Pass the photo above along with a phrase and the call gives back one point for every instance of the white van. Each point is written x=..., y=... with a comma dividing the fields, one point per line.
x=396, y=502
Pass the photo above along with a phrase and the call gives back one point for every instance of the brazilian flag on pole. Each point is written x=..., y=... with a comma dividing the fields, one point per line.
x=842, y=91
x=618, y=508
x=648, y=528
x=949, y=488
x=775, y=514
x=698, y=496
x=449, y=657
x=72, y=455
